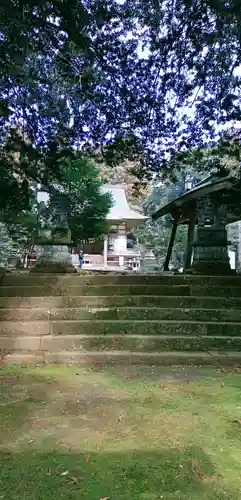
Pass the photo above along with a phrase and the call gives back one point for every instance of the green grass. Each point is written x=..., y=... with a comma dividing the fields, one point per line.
x=73, y=434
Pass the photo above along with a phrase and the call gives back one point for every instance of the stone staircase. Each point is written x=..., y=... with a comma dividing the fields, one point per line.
x=110, y=318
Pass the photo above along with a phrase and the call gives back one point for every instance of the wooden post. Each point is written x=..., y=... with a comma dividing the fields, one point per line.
x=190, y=236
x=170, y=246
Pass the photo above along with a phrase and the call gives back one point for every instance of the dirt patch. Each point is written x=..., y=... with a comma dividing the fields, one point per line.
x=70, y=424
x=96, y=404
x=86, y=411
x=65, y=413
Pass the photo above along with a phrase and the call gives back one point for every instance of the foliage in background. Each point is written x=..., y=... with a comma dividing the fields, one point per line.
x=196, y=164
x=23, y=229
x=79, y=198
x=7, y=246
x=156, y=235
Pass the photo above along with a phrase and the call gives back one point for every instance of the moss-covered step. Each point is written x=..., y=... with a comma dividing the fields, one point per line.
x=139, y=313
x=79, y=279
x=104, y=358
x=169, y=302
x=108, y=290
x=14, y=329
x=98, y=279
x=121, y=313
x=122, y=327
x=215, y=291
x=30, y=291
x=21, y=343
x=159, y=301
x=23, y=358
x=16, y=303
x=141, y=327
x=139, y=343
x=92, y=359
x=26, y=314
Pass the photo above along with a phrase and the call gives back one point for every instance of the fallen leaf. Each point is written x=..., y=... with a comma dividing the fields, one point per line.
x=196, y=468
x=105, y=498
x=73, y=480
x=65, y=473
x=220, y=370
x=131, y=376
x=198, y=471
x=237, y=421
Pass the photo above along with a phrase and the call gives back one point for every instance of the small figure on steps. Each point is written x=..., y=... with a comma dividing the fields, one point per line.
x=81, y=258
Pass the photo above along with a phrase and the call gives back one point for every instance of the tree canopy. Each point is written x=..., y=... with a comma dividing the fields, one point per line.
x=7, y=245
x=136, y=79
x=79, y=198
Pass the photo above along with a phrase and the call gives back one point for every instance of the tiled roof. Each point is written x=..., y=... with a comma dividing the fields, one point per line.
x=208, y=185
x=120, y=209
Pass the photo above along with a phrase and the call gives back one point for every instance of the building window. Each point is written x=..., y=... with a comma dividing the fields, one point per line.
x=111, y=243
x=131, y=240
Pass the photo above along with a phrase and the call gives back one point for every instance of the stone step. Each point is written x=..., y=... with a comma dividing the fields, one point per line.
x=121, y=313
x=99, y=359
x=150, y=313
x=160, y=301
x=119, y=327
x=110, y=290
x=30, y=291
x=120, y=319
x=25, y=278
x=49, y=302
x=132, y=343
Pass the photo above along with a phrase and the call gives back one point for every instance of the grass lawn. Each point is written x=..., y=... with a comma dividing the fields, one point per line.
x=76, y=434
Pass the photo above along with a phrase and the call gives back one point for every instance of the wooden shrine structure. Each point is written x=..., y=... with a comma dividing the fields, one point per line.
x=207, y=208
